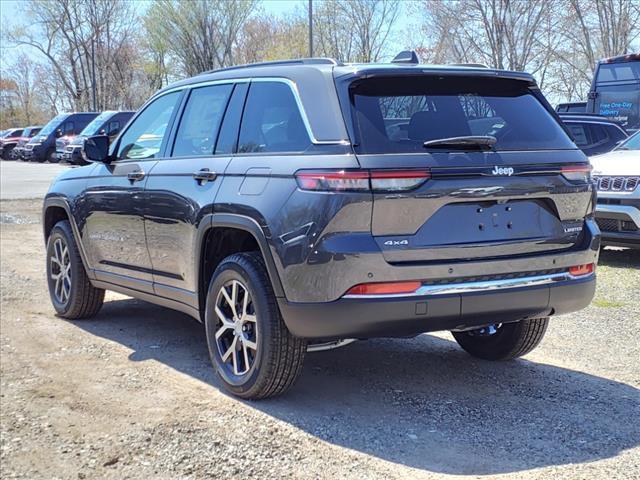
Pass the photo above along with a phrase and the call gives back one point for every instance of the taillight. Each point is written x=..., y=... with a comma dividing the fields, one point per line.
x=343, y=180
x=580, y=270
x=361, y=180
x=395, y=180
x=391, y=288
x=576, y=172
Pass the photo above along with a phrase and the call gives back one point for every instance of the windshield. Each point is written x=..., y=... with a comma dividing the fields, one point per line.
x=632, y=143
x=53, y=123
x=398, y=115
x=96, y=124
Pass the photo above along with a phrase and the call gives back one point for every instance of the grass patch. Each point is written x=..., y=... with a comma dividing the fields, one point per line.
x=607, y=303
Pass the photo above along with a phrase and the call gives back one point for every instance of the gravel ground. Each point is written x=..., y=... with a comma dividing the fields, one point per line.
x=131, y=394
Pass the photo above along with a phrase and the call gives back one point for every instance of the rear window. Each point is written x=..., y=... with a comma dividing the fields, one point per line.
x=397, y=115
x=618, y=72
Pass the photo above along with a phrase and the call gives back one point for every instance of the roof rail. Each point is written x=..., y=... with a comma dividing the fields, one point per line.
x=476, y=65
x=275, y=63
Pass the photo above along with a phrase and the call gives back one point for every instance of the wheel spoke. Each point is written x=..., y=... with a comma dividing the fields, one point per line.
x=250, y=344
x=235, y=362
x=230, y=350
x=250, y=318
x=246, y=355
x=230, y=302
x=245, y=303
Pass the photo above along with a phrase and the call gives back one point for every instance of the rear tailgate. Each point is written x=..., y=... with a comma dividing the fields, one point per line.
x=522, y=196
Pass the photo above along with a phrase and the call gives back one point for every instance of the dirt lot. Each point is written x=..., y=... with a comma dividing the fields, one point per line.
x=131, y=394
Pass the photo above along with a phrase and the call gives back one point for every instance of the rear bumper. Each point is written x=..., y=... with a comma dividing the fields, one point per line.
x=399, y=316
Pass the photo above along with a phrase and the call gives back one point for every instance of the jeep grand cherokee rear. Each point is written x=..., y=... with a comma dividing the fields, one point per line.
x=480, y=207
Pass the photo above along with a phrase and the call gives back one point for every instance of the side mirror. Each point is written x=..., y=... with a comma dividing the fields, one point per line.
x=58, y=133
x=96, y=149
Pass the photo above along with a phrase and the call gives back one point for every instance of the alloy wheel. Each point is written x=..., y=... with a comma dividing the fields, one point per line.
x=236, y=334
x=61, y=270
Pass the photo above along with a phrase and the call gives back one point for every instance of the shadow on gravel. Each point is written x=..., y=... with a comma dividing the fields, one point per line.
x=625, y=258
x=422, y=403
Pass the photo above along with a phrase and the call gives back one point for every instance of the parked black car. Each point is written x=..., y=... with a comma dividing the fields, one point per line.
x=69, y=149
x=8, y=141
x=42, y=147
x=27, y=134
x=594, y=134
x=297, y=204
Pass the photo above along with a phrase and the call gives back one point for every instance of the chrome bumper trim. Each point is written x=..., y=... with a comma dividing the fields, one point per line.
x=485, y=286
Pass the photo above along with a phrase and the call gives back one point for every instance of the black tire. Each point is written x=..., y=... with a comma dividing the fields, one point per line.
x=510, y=340
x=83, y=300
x=277, y=360
x=51, y=156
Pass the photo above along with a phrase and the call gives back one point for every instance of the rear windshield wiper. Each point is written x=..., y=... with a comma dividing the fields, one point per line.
x=470, y=141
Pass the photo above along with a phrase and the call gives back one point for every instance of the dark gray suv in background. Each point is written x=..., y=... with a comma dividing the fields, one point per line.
x=295, y=205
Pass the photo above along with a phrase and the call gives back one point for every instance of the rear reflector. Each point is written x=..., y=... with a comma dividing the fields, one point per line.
x=579, y=270
x=361, y=180
x=384, y=288
x=576, y=172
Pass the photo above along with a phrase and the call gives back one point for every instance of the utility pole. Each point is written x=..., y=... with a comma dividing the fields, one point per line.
x=310, y=28
x=93, y=74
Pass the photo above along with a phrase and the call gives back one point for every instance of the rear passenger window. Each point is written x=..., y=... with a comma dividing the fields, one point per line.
x=272, y=121
x=201, y=121
x=68, y=127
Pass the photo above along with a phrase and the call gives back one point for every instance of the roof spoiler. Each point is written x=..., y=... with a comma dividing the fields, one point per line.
x=407, y=56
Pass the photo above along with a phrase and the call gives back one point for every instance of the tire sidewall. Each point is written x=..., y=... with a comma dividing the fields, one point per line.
x=230, y=270
x=62, y=230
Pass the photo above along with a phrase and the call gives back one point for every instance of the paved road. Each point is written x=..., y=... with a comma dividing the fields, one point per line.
x=21, y=180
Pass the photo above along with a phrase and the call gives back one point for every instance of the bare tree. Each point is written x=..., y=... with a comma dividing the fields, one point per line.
x=511, y=34
x=200, y=34
x=78, y=36
x=355, y=30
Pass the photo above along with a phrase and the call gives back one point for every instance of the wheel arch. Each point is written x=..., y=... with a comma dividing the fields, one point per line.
x=57, y=209
x=245, y=234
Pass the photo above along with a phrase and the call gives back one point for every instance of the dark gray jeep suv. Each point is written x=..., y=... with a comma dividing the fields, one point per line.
x=298, y=205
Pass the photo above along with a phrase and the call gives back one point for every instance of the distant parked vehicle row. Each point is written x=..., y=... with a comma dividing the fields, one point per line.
x=27, y=134
x=61, y=139
x=42, y=147
x=69, y=148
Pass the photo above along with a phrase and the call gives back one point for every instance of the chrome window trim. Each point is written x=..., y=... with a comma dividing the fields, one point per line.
x=292, y=85
x=482, y=286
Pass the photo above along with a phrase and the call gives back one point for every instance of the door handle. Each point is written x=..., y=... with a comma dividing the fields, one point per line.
x=136, y=175
x=204, y=175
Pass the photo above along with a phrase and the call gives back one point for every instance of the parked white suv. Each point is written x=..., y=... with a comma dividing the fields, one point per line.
x=617, y=176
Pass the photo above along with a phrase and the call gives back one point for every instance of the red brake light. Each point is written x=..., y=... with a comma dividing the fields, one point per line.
x=580, y=270
x=384, y=288
x=577, y=172
x=361, y=180
x=333, y=180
